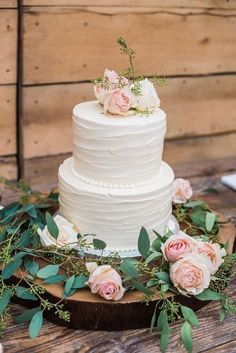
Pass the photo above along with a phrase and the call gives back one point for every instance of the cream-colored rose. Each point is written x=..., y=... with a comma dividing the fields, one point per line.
x=177, y=246
x=190, y=275
x=67, y=234
x=182, y=190
x=106, y=282
x=119, y=101
x=213, y=252
x=148, y=98
x=91, y=266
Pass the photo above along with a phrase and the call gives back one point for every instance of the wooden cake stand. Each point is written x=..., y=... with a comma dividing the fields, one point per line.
x=91, y=312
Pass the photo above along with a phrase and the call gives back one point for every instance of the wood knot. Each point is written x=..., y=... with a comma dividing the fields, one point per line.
x=205, y=40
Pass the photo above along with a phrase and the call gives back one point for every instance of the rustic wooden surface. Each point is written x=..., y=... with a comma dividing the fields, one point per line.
x=211, y=337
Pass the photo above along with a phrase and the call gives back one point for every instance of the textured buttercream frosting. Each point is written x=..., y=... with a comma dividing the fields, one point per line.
x=115, y=149
x=116, y=215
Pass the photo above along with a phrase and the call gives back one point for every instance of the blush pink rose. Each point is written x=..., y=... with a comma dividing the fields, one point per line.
x=190, y=275
x=114, y=81
x=213, y=252
x=119, y=101
x=177, y=246
x=106, y=282
x=182, y=190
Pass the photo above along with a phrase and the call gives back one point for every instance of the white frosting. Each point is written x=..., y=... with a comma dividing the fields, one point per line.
x=115, y=149
x=116, y=215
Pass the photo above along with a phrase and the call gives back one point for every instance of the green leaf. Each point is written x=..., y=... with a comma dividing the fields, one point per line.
x=153, y=256
x=30, y=210
x=189, y=315
x=156, y=245
x=79, y=236
x=99, y=244
x=141, y=287
x=54, y=279
x=222, y=314
x=48, y=271
x=226, y=246
x=4, y=300
x=163, y=276
x=10, y=269
x=52, y=226
x=24, y=240
x=31, y=266
x=69, y=284
x=143, y=243
x=129, y=269
x=208, y=294
x=198, y=217
x=36, y=324
x=19, y=255
x=79, y=282
x=153, y=320
x=162, y=321
x=186, y=337
x=210, y=221
x=26, y=315
x=24, y=293
x=164, y=340
x=193, y=204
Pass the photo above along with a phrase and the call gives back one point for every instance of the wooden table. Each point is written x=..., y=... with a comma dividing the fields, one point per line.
x=211, y=337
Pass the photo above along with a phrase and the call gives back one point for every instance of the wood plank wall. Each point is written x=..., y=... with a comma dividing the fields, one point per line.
x=8, y=54
x=66, y=43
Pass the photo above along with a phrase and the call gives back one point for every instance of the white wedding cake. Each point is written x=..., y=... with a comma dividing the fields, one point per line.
x=116, y=181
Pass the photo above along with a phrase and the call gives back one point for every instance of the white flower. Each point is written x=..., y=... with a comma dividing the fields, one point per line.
x=182, y=190
x=148, y=98
x=67, y=234
x=1, y=348
x=1, y=207
x=173, y=225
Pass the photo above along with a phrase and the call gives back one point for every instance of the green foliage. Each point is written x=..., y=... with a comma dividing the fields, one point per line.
x=52, y=226
x=186, y=337
x=99, y=244
x=48, y=271
x=4, y=299
x=36, y=324
x=208, y=294
x=189, y=316
x=141, y=287
x=129, y=269
x=144, y=243
x=25, y=293
x=55, y=279
x=10, y=269
x=26, y=315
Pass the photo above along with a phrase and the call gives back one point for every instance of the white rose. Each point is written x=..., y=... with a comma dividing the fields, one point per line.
x=67, y=234
x=148, y=98
x=173, y=225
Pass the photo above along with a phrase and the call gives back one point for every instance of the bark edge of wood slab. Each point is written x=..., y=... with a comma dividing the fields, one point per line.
x=91, y=312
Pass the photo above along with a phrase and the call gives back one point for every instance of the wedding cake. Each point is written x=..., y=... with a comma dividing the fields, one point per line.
x=116, y=181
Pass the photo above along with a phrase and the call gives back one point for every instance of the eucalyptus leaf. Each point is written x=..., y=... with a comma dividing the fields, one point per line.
x=163, y=276
x=54, y=279
x=36, y=324
x=128, y=268
x=80, y=281
x=186, y=337
x=99, y=244
x=141, y=287
x=144, y=243
x=193, y=204
x=10, y=269
x=31, y=266
x=26, y=315
x=164, y=340
x=189, y=315
x=210, y=221
x=4, y=299
x=69, y=284
x=208, y=294
x=24, y=293
x=23, y=241
x=48, y=271
x=153, y=256
x=153, y=320
x=162, y=321
x=51, y=225
x=156, y=245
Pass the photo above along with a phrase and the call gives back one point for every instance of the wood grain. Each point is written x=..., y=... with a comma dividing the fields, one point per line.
x=8, y=3
x=174, y=43
x=8, y=40
x=155, y=3
x=194, y=106
x=7, y=120
x=8, y=167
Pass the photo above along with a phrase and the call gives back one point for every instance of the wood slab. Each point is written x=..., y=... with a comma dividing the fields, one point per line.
x=91, y=312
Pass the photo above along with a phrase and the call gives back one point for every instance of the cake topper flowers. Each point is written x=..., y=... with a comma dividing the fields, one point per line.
x=127, y=93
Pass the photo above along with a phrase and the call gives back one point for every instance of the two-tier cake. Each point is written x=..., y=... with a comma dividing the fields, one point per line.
x=116, y=181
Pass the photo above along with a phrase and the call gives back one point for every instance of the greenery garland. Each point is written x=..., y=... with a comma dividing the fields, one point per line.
x=21, y=250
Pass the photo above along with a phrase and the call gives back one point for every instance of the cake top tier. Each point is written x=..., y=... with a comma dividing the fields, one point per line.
x=115, y=150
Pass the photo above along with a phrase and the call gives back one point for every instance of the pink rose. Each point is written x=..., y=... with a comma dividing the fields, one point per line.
x=118, y=101
x=213, y=252
x=182, y=190
x=114, y=81
x=177, y=246
x=106, y=282
x=190, y=275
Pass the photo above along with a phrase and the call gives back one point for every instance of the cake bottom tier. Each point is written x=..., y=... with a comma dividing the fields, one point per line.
x=116, y=215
